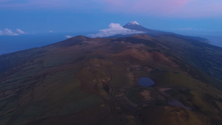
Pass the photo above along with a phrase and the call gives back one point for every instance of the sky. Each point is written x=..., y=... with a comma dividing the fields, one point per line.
x=19, y=17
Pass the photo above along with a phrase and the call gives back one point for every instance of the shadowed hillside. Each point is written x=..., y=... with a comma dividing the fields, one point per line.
x=85, y=81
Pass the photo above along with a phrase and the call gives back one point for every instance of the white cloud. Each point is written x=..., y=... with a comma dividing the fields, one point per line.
x=114, y=29
x=50, y=31
x=9, y=32
x=189, y=28
x=68, y=36
x=1, y=32
x=20, y=31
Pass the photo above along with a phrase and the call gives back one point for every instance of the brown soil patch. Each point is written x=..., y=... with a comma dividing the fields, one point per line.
x=146, y=95
x=143, y=55
x=164, y=89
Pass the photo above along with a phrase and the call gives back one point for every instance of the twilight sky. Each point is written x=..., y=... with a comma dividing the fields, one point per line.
x=19, y=17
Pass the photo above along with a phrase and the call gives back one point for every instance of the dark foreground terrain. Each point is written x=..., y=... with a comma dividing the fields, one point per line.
x=85, y=81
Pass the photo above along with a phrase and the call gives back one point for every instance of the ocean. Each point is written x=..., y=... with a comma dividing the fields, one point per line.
x=9, y=44
x=214, y=39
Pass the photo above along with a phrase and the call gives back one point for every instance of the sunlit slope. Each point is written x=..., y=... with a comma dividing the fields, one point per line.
x=94, y=82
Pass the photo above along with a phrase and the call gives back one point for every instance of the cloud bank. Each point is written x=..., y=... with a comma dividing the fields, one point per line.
x=20, y=31
x=9, y=32
x=191, y=29
x=114, y=29
x=68, y=36
x=1, y=32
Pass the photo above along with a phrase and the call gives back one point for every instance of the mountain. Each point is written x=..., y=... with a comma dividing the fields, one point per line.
x=136, y=26
x=96, y=81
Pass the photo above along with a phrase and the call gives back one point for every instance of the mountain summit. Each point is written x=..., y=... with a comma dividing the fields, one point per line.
x=136, y=26
x=133, y=23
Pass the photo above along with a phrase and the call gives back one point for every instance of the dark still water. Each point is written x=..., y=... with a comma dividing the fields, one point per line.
x=146, y=82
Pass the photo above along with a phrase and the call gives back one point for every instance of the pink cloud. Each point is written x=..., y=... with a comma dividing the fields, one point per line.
x=159, y=5
x=145, y=6
x=200, y=9
x=114, y=2
x=166, y=8
x=170, y=8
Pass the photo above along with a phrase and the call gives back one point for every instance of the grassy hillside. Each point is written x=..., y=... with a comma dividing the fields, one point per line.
x=95, y=82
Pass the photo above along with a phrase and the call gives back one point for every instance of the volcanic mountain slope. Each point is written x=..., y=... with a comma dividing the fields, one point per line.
x=136, y=26
x=85, y=81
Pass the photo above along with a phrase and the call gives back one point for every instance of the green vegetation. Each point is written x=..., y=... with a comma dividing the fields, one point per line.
x=94, y=81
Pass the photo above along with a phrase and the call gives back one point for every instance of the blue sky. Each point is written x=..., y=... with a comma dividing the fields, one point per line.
x=42, y=16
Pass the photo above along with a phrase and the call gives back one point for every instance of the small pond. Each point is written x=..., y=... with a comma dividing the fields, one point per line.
x=146, y=82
